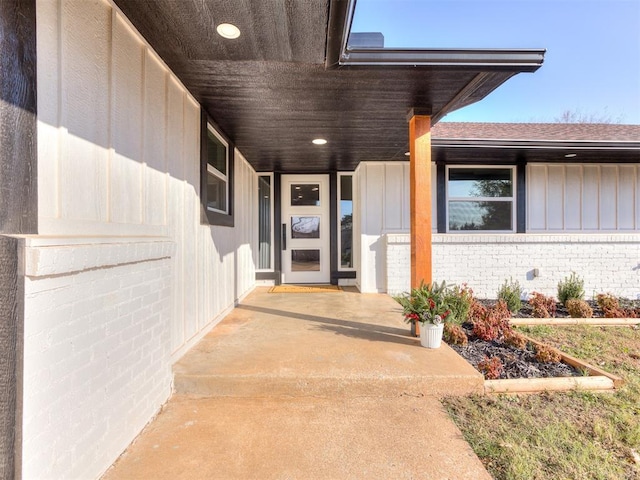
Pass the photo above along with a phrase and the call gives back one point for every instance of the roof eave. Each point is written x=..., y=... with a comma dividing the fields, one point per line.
x=524, y=60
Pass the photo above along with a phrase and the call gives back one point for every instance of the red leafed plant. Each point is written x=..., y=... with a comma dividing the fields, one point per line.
x=543, y=306
x=493, y=323
x=491, y=368
x=610, y=305
x=454, y=334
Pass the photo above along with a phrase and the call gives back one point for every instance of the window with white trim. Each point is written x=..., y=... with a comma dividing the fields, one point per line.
x=217, y=172
x=481, y=199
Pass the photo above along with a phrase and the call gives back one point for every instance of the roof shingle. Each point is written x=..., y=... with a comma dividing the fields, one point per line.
x=537, y=131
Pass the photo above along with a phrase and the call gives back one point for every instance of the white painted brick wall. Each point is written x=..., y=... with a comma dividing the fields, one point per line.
x=606, y=262
x=398, y=263
x=97, y=350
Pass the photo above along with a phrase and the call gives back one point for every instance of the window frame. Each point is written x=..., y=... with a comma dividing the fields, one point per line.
x=213, y=216
x=273, y=225
x=513, y=199
x=338, y=222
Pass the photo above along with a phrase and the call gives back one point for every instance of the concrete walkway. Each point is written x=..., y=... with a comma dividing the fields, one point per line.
x=309, y=386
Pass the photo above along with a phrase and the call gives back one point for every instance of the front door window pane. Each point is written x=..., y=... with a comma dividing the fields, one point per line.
x=305, y=195
x=305, y=260
x=305, y=227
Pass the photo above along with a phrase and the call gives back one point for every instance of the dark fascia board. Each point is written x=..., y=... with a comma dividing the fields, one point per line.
x=536, y=144
x=523, y=60
x=339, y=54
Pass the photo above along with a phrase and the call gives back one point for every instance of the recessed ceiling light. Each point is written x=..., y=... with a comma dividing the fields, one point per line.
x=228, y=30
x=406, y=154
x=318, y=141
x=570, y=155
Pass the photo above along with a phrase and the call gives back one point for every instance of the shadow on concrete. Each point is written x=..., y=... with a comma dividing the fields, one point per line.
x=352, y=329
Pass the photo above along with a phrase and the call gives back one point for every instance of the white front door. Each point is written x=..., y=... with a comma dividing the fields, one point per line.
x=305, y=224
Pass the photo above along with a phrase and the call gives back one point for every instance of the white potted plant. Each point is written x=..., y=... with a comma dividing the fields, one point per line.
x=427, y=305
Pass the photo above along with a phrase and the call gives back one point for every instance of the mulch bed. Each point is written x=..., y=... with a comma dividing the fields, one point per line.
x=517, y=363
x=561, y=312
x=522, y=363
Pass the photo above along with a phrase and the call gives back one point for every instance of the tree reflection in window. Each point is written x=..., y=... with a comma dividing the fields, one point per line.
x=480, y=199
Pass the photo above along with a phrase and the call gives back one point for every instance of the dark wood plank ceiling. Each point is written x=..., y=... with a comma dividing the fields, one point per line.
x=269, y=90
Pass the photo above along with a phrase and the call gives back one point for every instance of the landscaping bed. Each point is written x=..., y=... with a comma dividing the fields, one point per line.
x=517, y=363
x=521, y=371
x=576, y=434
x=526, y=311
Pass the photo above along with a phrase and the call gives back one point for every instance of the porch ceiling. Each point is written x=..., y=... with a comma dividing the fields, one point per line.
x=270, y=92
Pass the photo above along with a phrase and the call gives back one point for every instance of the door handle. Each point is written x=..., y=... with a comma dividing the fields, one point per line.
x=284, y=236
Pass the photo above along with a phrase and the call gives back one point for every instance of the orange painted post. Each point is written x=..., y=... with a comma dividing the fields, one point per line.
x=420, y=199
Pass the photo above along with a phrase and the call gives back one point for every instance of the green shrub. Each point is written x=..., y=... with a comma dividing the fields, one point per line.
x=571, y=287
x=459, y=300
x=510, y=292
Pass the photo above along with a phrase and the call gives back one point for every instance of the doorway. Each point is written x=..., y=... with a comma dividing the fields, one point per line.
x=305, y=229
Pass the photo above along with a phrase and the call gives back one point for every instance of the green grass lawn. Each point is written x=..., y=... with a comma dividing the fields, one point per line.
x=574, y=435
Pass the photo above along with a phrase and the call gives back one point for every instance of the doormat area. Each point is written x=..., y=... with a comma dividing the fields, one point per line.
x=305, y=289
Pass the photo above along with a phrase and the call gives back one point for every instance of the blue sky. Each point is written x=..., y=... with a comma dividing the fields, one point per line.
x=592, y=64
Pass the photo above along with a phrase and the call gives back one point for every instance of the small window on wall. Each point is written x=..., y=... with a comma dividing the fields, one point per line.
x=481, y=199
x=217, y=175
x=345, y=219
x=265, y=221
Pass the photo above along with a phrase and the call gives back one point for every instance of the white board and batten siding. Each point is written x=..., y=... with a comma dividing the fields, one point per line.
x=123, y=277
x=382, y=202
x=583, y=198
x=581, y=218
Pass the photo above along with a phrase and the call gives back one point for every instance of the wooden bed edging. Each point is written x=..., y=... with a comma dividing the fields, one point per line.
x=538, y=385
x=596, y=322
x=597, y=380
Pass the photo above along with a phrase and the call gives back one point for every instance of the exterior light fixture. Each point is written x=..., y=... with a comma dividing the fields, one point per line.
x=570, y=155
x=319, y=141
x=227, y=30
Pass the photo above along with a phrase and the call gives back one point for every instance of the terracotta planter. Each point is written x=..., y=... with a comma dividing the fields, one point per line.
x=431, y=335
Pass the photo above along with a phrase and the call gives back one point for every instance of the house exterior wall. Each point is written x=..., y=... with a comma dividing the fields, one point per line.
x=588, y=198
x=123, y=277
x=607, y=258
x=606, y=262
x=382, y=203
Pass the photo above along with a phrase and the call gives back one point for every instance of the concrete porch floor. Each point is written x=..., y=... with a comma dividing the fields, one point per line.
x=309, y=386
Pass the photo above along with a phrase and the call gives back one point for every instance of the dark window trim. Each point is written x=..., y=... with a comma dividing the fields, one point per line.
x=277, y=227
x=263, y=275
x=209, y=217
x=333, y=229
x=521, y=196
x=519, y=199
x=441, y=196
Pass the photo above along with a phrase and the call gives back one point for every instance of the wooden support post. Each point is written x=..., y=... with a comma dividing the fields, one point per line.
x=420, y=199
